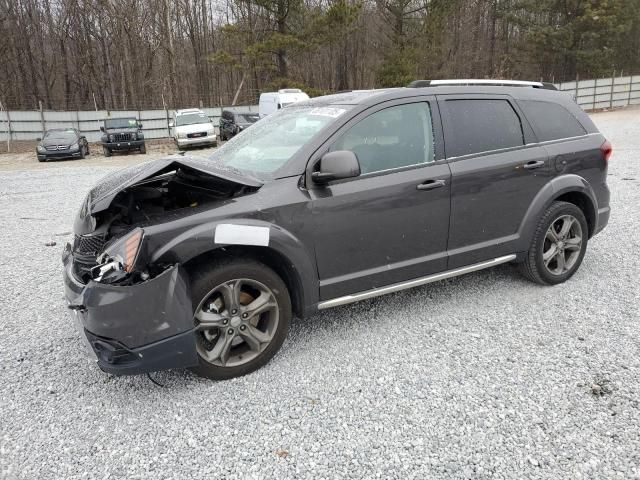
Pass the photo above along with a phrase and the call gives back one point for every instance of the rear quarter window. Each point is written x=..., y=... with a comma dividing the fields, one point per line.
x=551, y=121
x=478, y=125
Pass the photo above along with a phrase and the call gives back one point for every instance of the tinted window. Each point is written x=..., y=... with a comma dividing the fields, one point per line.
x=551, y=121
x=391, y=138
x=121, y=123
x=481, y=126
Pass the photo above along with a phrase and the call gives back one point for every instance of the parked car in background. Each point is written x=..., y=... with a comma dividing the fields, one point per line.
x=232, y=123
x=121, y=135
x=59, y=143
x=192, y=128
x=201, y=263
x=271, y=102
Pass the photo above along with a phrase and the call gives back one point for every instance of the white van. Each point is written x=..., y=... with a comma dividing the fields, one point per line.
x=272, y=101
x=191, y=128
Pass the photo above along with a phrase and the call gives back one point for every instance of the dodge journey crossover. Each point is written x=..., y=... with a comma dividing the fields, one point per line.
x=202, y=262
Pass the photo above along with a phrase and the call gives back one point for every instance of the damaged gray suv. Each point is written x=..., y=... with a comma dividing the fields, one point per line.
x=201, y=263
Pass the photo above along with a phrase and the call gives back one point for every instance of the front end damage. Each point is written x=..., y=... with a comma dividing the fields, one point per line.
x=136, y=314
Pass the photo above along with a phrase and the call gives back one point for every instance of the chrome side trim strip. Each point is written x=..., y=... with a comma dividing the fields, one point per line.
x=396, y=287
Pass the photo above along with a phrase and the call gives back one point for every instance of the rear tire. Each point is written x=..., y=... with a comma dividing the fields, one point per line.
x=558, y=245
x=225, y=295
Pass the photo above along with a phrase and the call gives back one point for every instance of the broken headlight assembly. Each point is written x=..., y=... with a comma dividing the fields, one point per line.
x=117, y=260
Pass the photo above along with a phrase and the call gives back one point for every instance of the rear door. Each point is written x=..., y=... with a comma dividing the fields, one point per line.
x=497, y=168
x=390, y=224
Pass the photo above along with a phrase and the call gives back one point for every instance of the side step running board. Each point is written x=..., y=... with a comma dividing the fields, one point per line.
x=396, y=287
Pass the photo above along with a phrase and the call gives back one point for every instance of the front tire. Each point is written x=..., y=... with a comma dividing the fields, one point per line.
x=143, y=149
x=106, y=151
x=558, y=246
x=242, y=312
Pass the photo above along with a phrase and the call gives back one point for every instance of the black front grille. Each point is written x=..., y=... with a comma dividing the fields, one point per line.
x=196, y=135
x=122, y=137
x=88, y=244
x=53, y=148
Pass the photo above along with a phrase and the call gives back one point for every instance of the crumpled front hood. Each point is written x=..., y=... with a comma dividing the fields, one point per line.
x=101, y=196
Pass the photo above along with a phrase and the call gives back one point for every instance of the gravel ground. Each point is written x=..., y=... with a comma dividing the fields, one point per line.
x=481, y=376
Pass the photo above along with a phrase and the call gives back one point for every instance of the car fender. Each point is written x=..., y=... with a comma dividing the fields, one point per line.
x=201, y=239
x=548, y=193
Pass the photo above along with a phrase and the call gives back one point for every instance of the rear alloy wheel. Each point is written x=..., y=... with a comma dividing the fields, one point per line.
x=558, y=246
x=241, y=319
x=562, y=245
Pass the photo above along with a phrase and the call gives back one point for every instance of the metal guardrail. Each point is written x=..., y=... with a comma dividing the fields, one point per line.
x=29, y=125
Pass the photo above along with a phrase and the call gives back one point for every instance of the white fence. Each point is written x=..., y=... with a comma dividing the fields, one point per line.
x=604, y=92
x=29, y=125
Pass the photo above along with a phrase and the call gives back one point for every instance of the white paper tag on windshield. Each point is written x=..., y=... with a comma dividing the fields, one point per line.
x=229, y=234
x=327, y=111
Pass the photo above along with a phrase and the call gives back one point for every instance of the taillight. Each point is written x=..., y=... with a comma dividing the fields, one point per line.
x=607, y=149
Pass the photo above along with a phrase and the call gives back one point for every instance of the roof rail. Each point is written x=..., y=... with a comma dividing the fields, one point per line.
x=485, y=81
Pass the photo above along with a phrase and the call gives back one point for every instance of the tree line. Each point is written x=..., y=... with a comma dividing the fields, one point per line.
x=135, y=54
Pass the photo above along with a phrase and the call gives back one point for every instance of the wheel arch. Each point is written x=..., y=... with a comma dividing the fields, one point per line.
x=569, y=188
x=284, y=254
x=268, y=256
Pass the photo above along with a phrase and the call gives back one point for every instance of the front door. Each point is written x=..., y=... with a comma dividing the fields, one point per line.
x=391, y=223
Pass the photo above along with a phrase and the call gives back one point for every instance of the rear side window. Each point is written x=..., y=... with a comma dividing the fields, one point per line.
x=551, y=121
x=481, y=126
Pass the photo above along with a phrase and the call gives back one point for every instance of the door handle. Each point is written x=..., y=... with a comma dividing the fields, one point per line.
x=431, y=184
x=533, y=164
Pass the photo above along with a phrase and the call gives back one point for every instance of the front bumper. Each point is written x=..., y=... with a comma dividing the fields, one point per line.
x=135, y=329
x=59, y=155
x=192, y=142
x=130, y=145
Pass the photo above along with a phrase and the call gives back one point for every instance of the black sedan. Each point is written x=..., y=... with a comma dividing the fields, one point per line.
x=62, y=143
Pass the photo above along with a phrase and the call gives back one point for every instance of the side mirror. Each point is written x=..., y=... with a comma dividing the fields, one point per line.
x=102, y=128
x=139, y=125
x=171, y=124
x=38, y=139
x=336, y=166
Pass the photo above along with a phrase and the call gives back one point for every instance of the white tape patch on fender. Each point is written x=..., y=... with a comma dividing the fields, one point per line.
x=230, y=234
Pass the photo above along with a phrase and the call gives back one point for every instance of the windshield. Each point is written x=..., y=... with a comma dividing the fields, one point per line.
x=274, y=140
x=191, y=119
x=121, y=123
x=61, y=134
x=247, y=117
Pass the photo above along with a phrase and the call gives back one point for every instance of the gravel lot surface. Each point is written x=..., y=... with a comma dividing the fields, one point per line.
x=481, y=376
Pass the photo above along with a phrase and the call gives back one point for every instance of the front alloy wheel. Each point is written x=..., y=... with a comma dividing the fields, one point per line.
x=241, y=316
x=236, y=322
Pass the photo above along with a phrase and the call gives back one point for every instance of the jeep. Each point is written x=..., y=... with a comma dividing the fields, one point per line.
x=202, y=262
x=122, y=134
